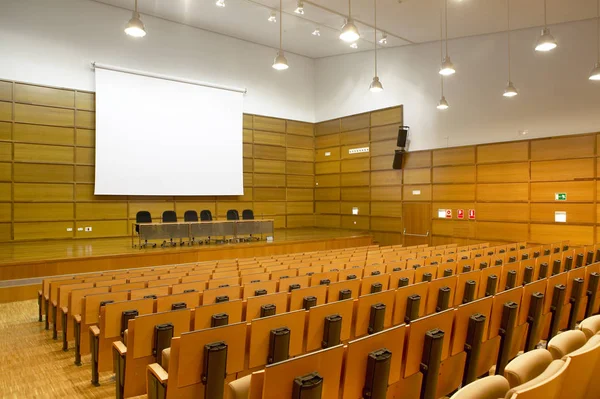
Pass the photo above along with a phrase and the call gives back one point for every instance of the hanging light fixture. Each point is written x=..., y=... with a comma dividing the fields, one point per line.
x=316, y=32
x=272, y=17
x=383, y=40
x=354, y=45
x=595, y=74
x=447, y=68
x=546, y=41
x=299, y=8
x=510, y=90
x=349, y=30
x=376, y=85
x=135, y=27
x=443, y=104
x=280, y=63
x=220, y=3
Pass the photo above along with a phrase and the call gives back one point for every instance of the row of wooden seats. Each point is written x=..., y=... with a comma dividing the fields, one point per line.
x=322, y=292
x=194, y=273
x=524, y=296
x=565, y=370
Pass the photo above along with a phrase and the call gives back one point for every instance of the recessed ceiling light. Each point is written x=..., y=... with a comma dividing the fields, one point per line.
x=299, y=8
x=220, y=3
x=523, y=132
x=354, y=45
x=316, y=32
x=273, y=17
x=383, y=39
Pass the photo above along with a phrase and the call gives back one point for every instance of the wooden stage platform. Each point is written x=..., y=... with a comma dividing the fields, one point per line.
x=23, y=264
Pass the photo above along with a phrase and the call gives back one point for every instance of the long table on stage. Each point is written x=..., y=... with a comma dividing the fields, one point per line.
x=191, y=230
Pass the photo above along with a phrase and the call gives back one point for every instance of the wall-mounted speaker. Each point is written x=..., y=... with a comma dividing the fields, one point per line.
x=402, y=136
x=398, y=157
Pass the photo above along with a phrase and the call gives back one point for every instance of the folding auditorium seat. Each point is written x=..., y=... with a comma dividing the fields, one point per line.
x=565, y=343
x=233, y=214
x=590, y=326
x=584, y=366
x=492, y=387
x=530, y=370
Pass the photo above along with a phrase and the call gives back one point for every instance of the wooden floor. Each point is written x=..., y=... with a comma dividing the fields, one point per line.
x=33, y=365
x=12, y=252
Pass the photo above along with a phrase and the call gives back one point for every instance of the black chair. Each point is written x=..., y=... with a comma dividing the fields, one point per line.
x=170, y=217
x=233, y=214
x=248, y=214
x=191, y=216
x=143, y=217
x=205, y=216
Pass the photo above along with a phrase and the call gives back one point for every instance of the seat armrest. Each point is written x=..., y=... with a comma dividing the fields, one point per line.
x=122, y=349
x=40, y=292
x=54, y=303
x=160, y=373
x=95, y=330
x=77, y=318
x=64, y=309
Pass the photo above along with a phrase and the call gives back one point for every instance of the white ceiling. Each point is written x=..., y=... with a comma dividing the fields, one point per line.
x=406, y=21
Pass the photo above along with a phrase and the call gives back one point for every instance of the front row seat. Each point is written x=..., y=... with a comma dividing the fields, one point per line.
x=492, y=387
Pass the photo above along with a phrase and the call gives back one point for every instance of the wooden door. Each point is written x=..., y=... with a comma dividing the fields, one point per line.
x=417, y=223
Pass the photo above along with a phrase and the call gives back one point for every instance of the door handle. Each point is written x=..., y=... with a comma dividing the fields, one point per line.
x=415, y=235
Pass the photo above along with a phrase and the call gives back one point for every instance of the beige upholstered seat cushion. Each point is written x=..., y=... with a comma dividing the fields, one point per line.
x=553, y=368
x=240, y=388
x=125, y=333
x=565, y=343
x=590, y=326
x=591, y=343
x=166, y=355
x=527, y=366
x=492, y=387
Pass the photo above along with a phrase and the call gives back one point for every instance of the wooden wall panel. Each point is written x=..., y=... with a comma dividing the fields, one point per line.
x=30, y=212
x=43, y=134
x=330, y=140
x=269, y=138
x=300, y=208
x=101, y=228
x=383, y=162
x=300, y=168
x=577, y=235
x=355, y=137
x=391, y=209
x=502, y=212
x=268, y=124
x=355, y=179
x=5, y=212
x=327, y=194
x=576, y=213
x=386, y=178
x=30, y=94
x=38, y=192
x=328, y=221
x=386, y=193
x=43, y=230
x=355, y=222
x=295, y=221
x=300, y=194
x=300, y=181
x=6, y=89
x=327, y=154
x=363, y=208
x=43, y=153
x=103, y=210
x=6, y=152
x=387, y=116
x=355, y=165
x=452, y=228
x=557, y=170
x=454, y=174
x=301, y=128
x=268, y=166
x=503, y=152
x=503, y=192
x=420, y=159
x=503, y=172
x=355, y=193
x=44, y=115
x=327, y=180
x=355, y=122
x=453, y=192
x=6, y=130
x=33, y=172
x=5, y=191
x=416, y=193
x=581, y=191
x=563, y=147
x=386, y=224
x=454, y=156
x=327, y=167
x=5, y=171
x=327, y=207
x=502, y=231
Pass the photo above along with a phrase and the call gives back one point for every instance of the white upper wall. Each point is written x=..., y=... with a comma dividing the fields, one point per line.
x=52, y=42
x=555, y=95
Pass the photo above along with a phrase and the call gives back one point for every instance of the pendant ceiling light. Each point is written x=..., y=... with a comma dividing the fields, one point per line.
x=299, y=8
x=443, y=104
x=546, y=41
x=280, y=63
x=447, y=68
x=349, y=30
x=595, y=74
x=135, y=26
x=510, y=90
x=376, y=85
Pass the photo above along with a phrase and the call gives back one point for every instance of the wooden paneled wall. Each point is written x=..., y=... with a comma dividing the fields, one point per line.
x=511, y=185
x=364, y=180
x=47, y=171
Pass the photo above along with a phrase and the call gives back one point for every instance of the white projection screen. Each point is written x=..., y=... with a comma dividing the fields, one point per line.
x=158, y=136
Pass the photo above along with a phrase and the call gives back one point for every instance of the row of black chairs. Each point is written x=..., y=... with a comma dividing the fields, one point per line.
x=192, y=216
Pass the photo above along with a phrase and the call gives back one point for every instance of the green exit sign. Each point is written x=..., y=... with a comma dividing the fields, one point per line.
x=560, y=196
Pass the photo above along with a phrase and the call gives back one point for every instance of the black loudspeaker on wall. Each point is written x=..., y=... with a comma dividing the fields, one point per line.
x=402, y=136
x=399, y=154
x=398, y=157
